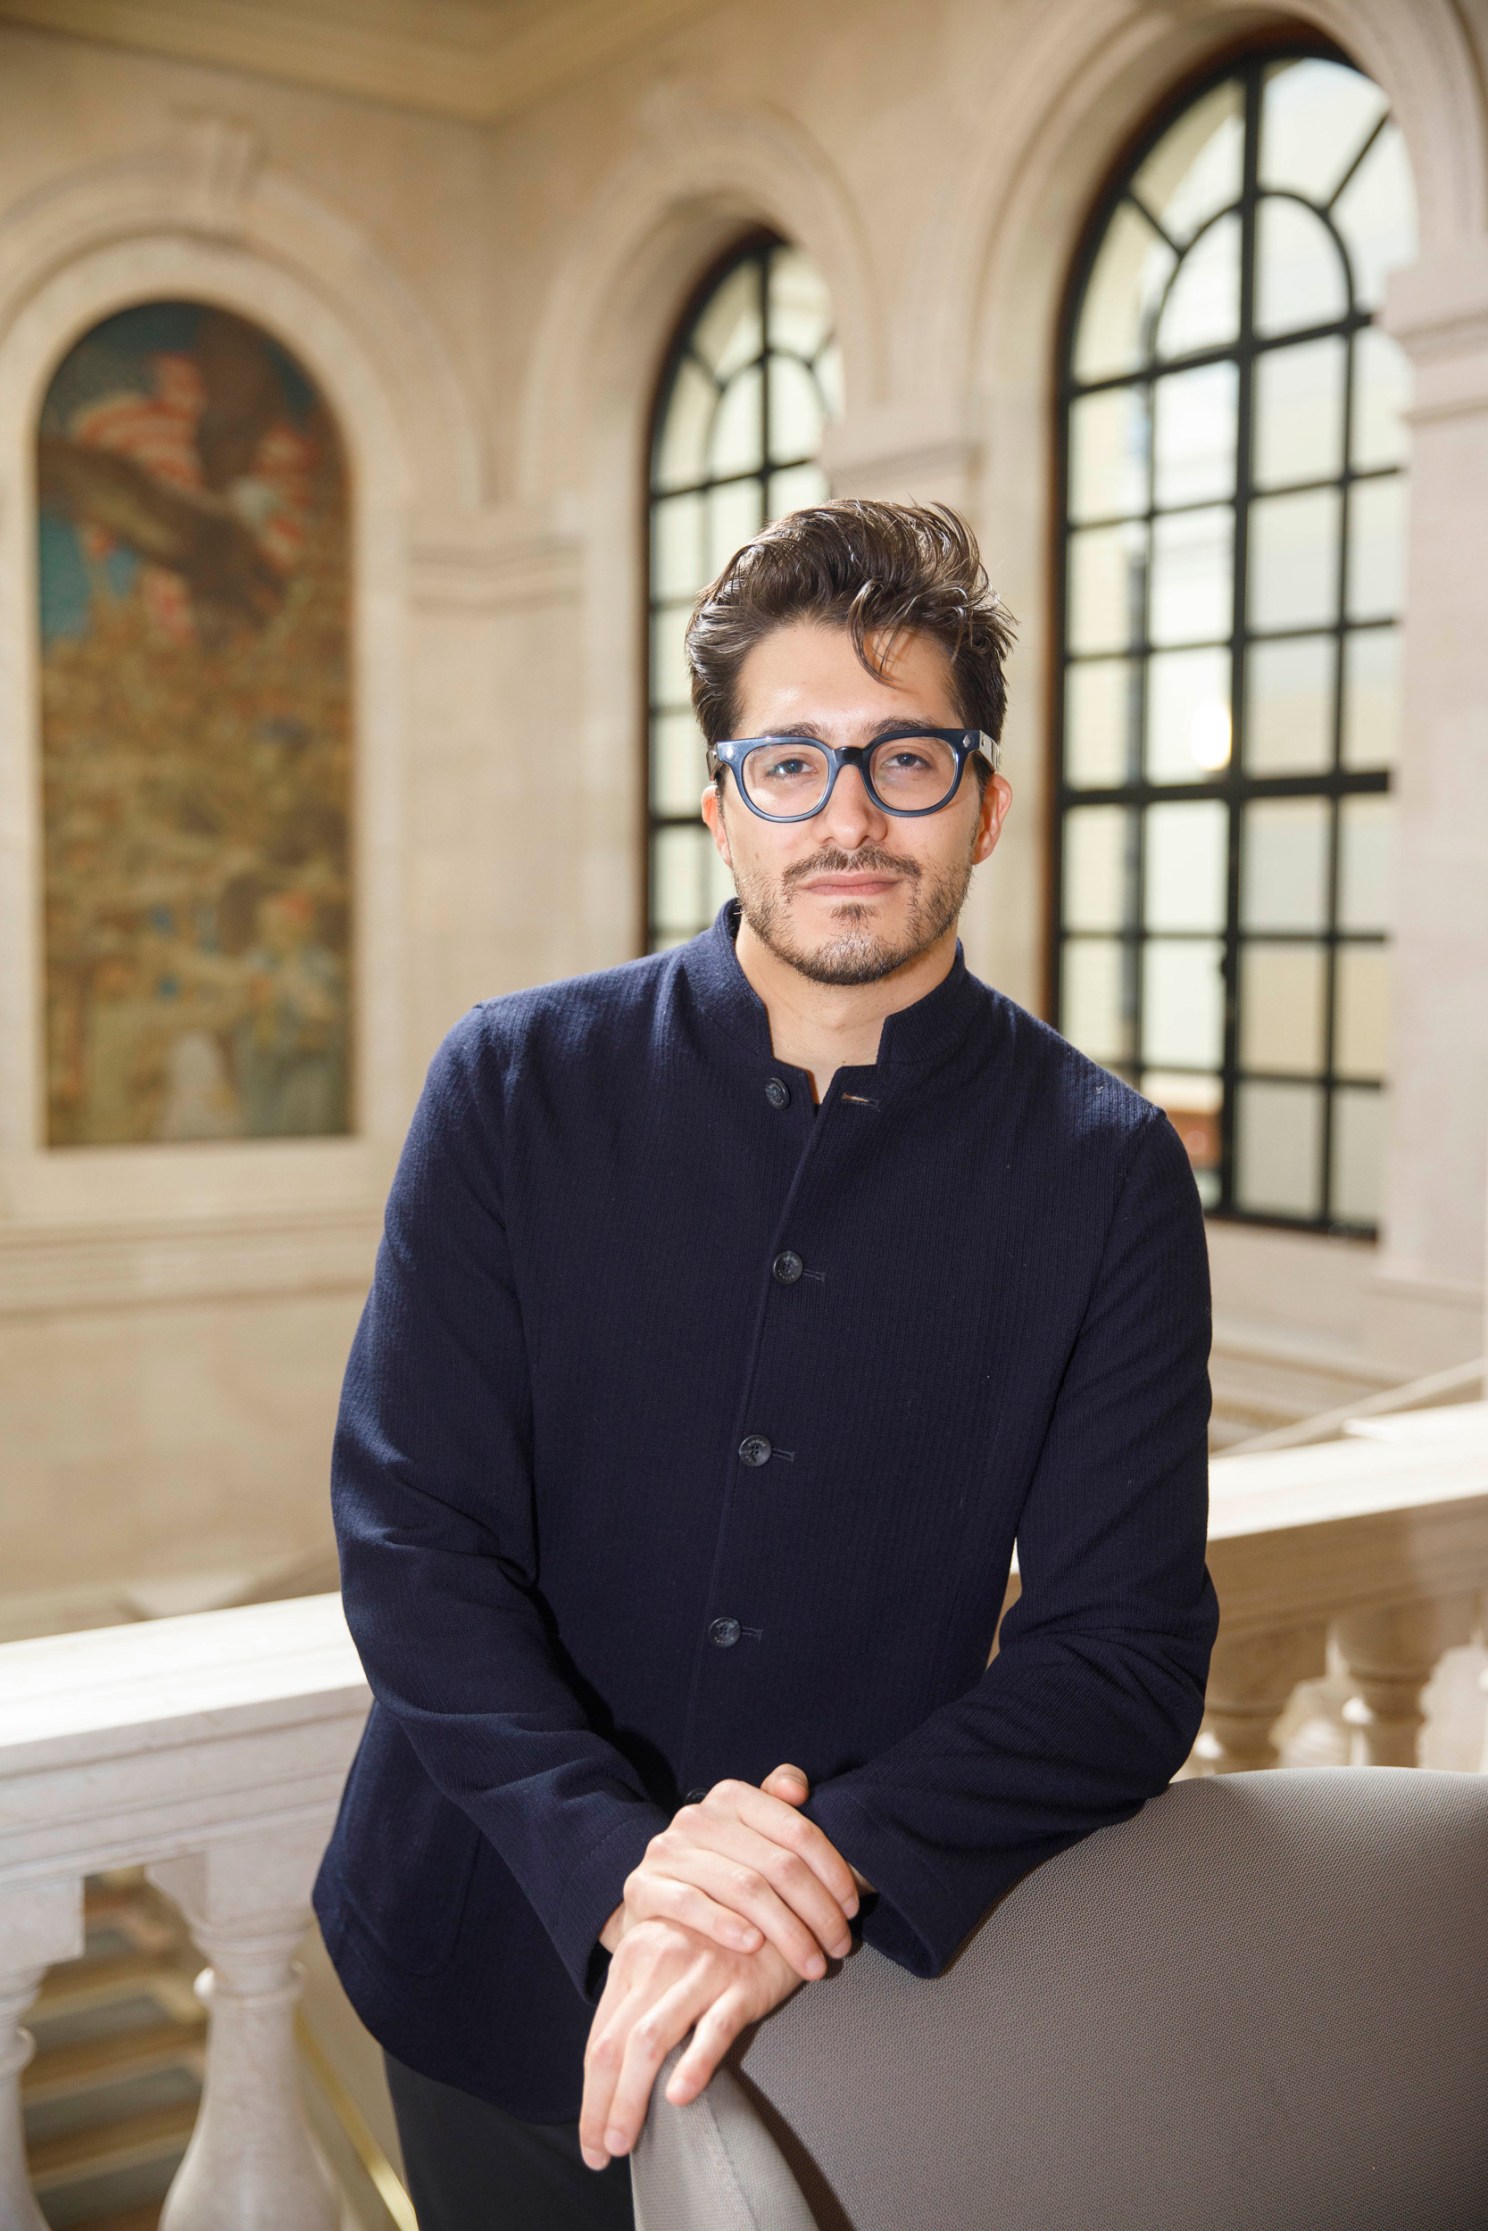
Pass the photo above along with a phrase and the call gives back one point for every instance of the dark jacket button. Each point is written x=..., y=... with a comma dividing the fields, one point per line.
x=788, y=1267
x=776, y=1093
x=694, y=1797
x=724, y=1632
x=755, y=1449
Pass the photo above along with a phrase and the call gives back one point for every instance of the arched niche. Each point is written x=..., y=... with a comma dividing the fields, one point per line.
x=195, y=730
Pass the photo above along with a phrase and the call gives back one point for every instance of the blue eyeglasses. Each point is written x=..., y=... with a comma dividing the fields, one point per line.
x=790, y=778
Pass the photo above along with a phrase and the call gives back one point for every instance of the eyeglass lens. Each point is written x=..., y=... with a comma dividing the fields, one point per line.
x=908, y=774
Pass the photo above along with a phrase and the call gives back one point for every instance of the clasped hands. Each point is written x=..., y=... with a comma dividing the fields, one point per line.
x=734, y=1905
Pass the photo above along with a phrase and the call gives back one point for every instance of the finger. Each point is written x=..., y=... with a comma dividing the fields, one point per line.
x=717, y=1825
x=653, y=2033
x=788, y=1783
x=768, y=1816
x=712, y=2036
x=744, y=1886
x=604, y=2055
x=650, y=1896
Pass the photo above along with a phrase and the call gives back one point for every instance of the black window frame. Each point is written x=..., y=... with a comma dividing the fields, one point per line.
x=1234, y=785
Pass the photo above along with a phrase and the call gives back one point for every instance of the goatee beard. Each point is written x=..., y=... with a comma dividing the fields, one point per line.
x=853, y=953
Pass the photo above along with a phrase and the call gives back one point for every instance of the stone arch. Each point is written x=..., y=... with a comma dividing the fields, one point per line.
x=201, y=224
x=702, y=178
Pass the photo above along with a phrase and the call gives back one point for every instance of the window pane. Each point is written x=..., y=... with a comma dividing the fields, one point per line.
x=1193, y=1106
x=730, y=331
x=670, y=681
x=1382, y=393
x=829, y=378
x=1192, y=576
x=1284, y=865
x=1193, y=436
x=1188, y=715
x=1366, y=868
x=1376, y=213
x=1299, y=413
x=1105, y=587
x=800, y=307
x=677, y=557
x=736, y=444
x=1125, y=283
x=679, y=881
x=796, y=413
x=1358, y=1156
x=733, y=516
x=1186, y=865
x=1096, y=839
x=1195, y=169
x=1300, y=278
x=1371, y=701
x=1293, y=571
x=1283, y=992
x=794, y=489
x=1278, y=1149
x=1108, y=454
x=1315, y=117
x=1202, y=310
x=1376, y=581
x=681, y=452
x=1092, y=1003
x=1182, y=1003
x=678, y=769
x=1097, y=717
x=1289, y=706
x=1362, y=1024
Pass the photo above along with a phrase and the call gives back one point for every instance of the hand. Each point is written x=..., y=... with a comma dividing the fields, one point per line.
x=665, y=1980
x=744, y=1867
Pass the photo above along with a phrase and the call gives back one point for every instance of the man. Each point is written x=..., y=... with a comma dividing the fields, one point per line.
x=738, y=1308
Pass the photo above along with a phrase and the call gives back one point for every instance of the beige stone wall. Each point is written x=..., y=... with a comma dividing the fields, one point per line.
x=487, y=308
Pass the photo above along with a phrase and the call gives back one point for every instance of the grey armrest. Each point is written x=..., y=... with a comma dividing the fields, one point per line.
x=1261, y=2005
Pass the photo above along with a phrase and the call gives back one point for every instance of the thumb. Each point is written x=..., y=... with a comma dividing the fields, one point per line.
x=788, y=1783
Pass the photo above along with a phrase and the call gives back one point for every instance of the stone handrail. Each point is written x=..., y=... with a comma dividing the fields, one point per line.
x=212, y=1750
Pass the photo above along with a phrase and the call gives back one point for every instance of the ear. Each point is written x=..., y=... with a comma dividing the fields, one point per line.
x=991, y=813
x=712, y=809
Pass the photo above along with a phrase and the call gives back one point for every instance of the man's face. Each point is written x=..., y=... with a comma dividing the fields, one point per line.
x=854, y=893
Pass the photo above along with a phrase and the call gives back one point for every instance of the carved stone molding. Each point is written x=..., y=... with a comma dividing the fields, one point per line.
x=492, y=561
x=222, y=156
x=113, y=1265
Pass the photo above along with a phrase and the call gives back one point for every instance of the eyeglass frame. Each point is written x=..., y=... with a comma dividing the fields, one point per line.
x=732, y=751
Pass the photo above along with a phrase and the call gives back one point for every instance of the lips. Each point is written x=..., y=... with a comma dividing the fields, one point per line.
x=851, y=886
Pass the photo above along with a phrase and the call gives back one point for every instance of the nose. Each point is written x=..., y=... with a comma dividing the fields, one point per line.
x=850, y=817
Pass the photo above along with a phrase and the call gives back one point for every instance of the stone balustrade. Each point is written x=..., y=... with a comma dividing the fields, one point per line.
x=212, y=1750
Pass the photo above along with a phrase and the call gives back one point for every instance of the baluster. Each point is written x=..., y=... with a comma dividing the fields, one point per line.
x=1251, y=1677
x=40, y=1923
x=1391, y=1654
x=250, y=2165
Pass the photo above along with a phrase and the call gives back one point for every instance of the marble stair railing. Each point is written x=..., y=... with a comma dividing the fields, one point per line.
x=1377, y=1541
x=211, y=1750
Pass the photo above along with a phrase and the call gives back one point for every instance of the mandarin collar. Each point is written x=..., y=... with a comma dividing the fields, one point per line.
x=932, y=1026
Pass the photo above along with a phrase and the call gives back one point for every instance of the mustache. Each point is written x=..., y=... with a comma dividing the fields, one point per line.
x=868, y=860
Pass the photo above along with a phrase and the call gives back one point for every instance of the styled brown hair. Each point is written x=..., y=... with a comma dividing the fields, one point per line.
x=880, y=570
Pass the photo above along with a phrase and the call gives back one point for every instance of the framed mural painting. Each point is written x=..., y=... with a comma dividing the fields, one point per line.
x=195, y=737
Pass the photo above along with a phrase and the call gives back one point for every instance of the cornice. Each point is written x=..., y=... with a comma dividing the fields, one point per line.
x=445, y=57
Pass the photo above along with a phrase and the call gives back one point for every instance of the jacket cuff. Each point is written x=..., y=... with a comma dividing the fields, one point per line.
x=913, y=1917
x=594, y=1889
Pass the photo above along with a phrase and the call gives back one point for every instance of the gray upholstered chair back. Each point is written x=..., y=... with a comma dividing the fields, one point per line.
x=1261, y=2005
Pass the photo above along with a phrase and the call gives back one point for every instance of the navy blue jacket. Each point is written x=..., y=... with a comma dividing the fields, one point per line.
x=689, y=1429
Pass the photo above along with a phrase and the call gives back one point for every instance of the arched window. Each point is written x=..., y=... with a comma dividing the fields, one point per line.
x=195, y=736
x=1232, y=459
x=751, y=380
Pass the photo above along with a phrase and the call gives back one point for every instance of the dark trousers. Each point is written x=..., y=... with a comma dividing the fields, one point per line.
x=474, y=2167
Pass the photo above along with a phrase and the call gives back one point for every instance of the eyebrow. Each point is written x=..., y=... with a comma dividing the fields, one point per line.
x=910, y=725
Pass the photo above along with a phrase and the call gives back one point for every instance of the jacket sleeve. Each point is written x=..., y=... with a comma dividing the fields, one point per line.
x=1096, y=1692
x=432, y=1495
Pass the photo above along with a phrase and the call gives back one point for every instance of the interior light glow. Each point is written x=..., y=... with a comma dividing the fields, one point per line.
x=1209, y=735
